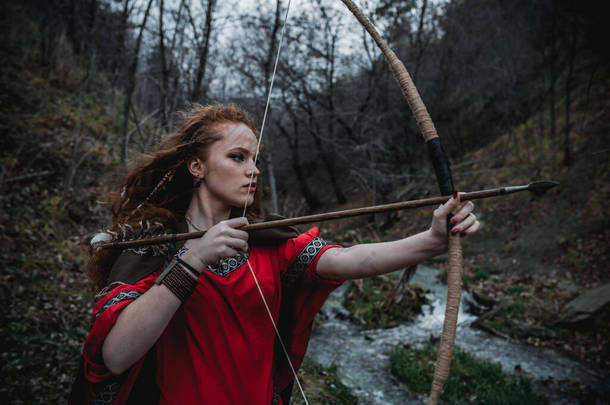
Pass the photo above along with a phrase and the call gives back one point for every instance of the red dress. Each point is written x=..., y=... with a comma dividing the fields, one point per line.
x=219, y=346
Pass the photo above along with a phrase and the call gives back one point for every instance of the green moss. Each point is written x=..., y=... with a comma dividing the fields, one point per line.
x=508, y=311
x=471, y=380
x=322, y=386
x=371, y=302
x=521, y=308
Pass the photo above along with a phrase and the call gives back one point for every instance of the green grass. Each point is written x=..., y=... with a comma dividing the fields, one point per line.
x=443, y=276
x=516, y=289
x=479, y=274
x=471, y=381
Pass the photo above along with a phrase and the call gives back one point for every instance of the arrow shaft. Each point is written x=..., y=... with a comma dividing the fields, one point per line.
x=376, y=209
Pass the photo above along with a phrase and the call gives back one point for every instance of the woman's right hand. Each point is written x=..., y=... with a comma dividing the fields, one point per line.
x=222, y=240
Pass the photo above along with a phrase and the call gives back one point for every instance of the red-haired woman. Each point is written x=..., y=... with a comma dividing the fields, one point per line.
x=185, y=323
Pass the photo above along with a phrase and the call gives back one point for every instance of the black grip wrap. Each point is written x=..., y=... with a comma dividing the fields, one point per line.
x=441, y=166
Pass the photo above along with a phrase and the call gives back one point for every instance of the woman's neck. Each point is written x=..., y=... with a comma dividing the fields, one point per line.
x=202, y=214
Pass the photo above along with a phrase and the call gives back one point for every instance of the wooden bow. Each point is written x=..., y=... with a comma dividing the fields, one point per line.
x=445, y=181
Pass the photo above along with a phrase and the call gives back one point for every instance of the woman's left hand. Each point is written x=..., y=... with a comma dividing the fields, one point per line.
x=463, y=220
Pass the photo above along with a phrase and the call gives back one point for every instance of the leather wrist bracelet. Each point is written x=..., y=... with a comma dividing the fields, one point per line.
x=178, y=280
x=187, y=266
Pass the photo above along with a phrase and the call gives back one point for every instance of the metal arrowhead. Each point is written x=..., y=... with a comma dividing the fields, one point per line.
x=540, y=187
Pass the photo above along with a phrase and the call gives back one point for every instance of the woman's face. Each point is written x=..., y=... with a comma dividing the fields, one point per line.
x=229, y=165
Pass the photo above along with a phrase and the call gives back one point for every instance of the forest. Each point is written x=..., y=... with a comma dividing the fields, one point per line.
x=518, y=91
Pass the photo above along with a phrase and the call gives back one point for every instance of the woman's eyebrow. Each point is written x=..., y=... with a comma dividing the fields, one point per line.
x=241, y=149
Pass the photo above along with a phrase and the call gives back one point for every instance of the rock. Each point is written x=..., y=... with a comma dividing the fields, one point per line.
x=472, y=306
x=525, y=330
x=483, y=299
x=481, y=321
x=568, y=286
x=582, y=311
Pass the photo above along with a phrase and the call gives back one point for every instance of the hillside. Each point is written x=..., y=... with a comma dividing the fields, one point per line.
x=57, y=128
x=60, y=125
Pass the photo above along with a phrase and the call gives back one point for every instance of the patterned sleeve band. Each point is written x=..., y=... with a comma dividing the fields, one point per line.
x=303, y=260
x=122, y=296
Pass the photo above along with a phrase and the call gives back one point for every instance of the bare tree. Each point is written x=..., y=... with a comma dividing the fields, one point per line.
x=165, y=69
x=131, y=80
x=292, y=138
x=573, y=40
x=203, y=48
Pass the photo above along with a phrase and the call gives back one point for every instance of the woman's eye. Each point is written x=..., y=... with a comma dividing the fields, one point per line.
x=237, y=156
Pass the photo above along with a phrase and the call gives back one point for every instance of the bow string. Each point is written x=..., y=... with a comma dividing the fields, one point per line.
x=260, y=138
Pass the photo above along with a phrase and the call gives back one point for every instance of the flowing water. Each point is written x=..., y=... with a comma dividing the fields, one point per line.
x=362, y=359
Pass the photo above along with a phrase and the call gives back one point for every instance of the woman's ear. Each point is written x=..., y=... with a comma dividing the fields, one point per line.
x=196, y=167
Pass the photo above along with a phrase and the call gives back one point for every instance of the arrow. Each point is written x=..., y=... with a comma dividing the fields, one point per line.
x=537, y=187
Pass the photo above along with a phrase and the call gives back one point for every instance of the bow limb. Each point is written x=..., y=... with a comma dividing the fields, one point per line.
x=445, y=181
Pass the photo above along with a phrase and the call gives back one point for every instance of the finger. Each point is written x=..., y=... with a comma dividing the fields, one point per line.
x=462, y=212
x=236, y=222
x=448, y=207
x=237, y=234
x=227, y=251
x=471, y=229
x=468, y=221
x=239, y=244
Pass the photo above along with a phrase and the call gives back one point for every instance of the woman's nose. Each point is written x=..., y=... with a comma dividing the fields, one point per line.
x=255, y=169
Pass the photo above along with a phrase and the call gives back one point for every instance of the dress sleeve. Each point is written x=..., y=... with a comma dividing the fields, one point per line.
x=303, y=294
x=104, y=315
x=298, y=258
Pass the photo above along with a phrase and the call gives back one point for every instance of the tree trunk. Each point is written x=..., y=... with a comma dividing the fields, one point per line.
x=131, y=82
x=272, y=185
x=116, y=66
x=164, y=69
x=567, y=157
x=203, y=53
x=330, y=166
x=553, y=72
x=176, y=89
x=293, y=142
x=419, y=45
x=541, y=135
x=270, y=170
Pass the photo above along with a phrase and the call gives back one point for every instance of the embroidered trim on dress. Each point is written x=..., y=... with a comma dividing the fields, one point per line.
x=275, y=399
x=122, y=296
x=228, y=265
x=307, y=255
x=108, y=392
x=181, y=251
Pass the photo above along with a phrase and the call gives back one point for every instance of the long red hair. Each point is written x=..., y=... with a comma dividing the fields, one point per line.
x=158, y=186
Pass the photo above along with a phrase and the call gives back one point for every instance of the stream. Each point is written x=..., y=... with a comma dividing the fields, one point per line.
x=362, y=360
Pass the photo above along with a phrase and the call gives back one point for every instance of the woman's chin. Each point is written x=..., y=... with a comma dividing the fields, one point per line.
x=240, y=204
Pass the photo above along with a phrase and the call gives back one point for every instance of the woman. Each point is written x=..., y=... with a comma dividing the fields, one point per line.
x=186, y=324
